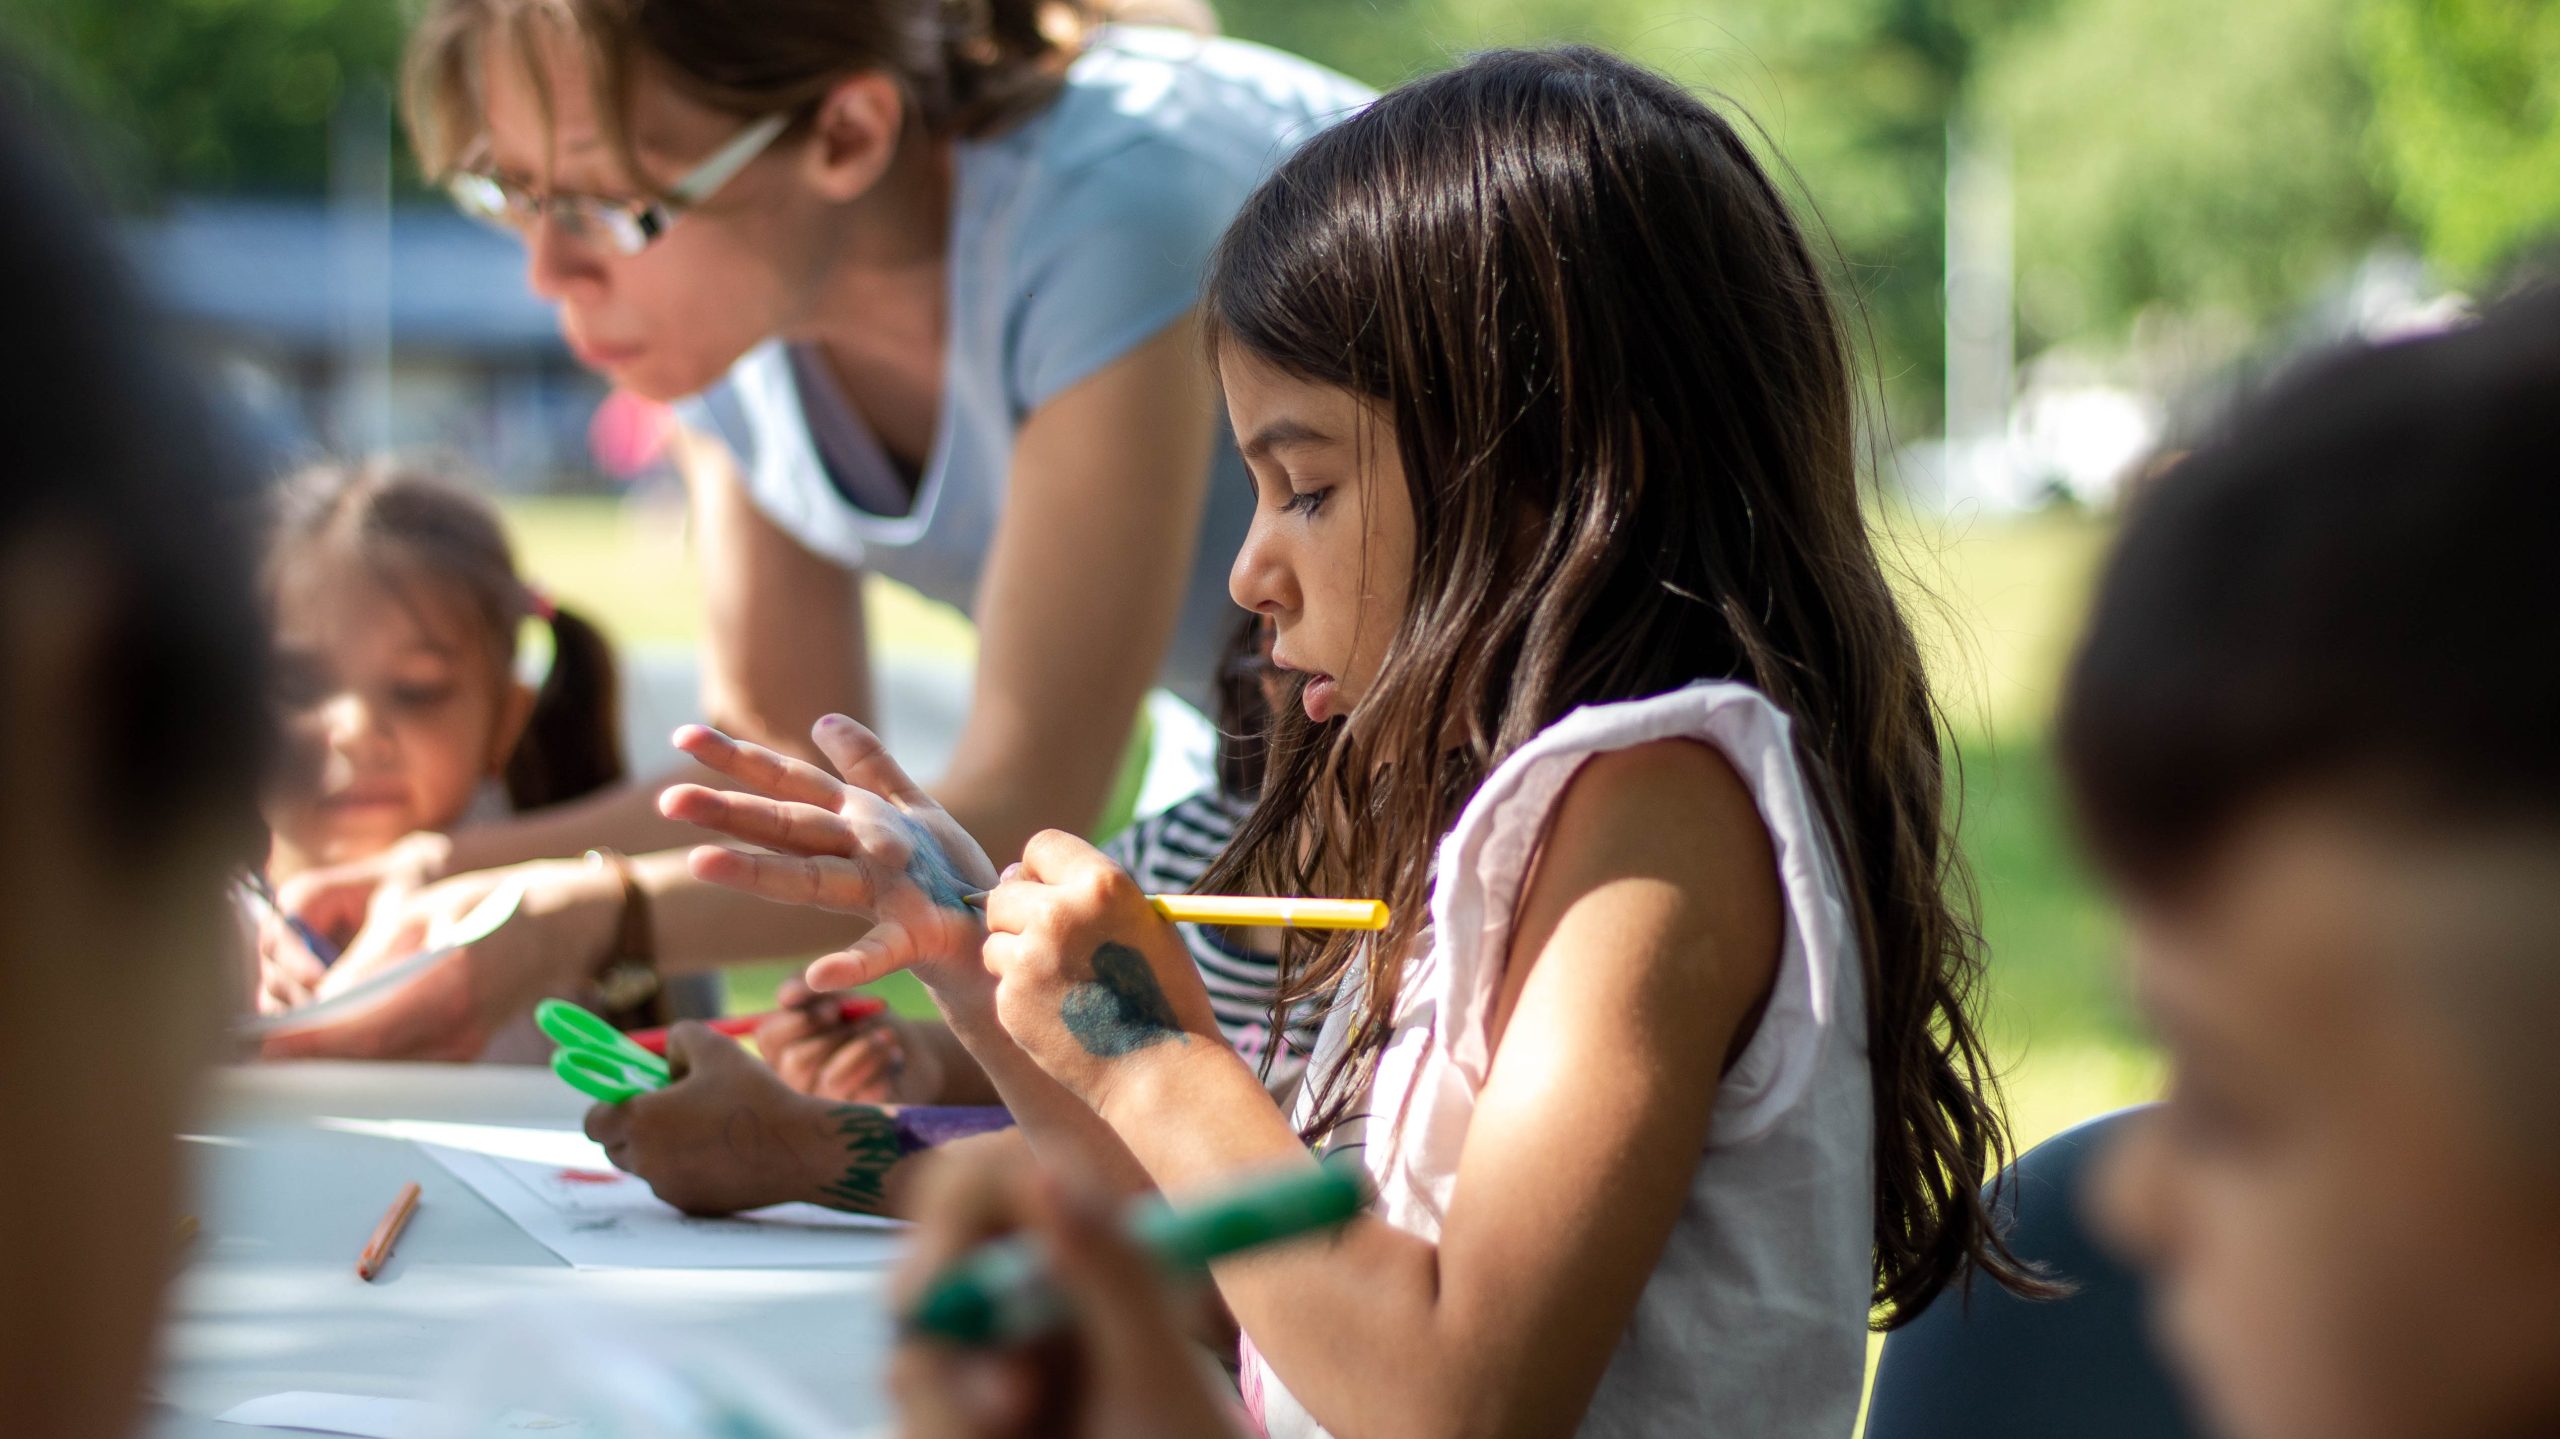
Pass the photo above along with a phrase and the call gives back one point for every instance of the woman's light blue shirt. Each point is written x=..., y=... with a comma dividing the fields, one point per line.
x=1075, y=235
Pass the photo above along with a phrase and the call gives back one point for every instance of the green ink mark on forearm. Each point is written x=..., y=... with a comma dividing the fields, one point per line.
x=1122, y=1009
x=870, y=1141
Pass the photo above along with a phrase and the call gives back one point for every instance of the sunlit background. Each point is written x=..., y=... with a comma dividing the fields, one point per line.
x=2074, y=229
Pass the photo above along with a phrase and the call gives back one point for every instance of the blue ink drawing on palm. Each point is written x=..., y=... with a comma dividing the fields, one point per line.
x=932, y=870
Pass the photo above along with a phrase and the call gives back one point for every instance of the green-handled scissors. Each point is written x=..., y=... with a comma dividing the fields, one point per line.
x=594, y=1058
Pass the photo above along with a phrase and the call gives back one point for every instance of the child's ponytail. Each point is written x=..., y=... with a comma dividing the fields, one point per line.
x=572, y=742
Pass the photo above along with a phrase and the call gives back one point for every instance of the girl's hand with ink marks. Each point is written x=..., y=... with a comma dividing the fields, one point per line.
x=728, y=1135
x=873, y=843
x=1124, y=1367
x=1090, y=981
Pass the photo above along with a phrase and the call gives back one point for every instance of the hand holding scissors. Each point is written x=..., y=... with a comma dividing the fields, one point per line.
x=596, y=1059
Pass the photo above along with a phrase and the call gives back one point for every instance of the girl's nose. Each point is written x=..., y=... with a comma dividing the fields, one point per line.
x=1259, y=580
x=352, y=723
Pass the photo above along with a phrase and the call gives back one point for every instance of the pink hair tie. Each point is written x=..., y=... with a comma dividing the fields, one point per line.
x=540, y=603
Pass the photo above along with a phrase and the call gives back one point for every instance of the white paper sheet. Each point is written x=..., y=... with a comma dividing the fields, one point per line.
x=308, y=1412
x=442, y=939
x=560, y=1189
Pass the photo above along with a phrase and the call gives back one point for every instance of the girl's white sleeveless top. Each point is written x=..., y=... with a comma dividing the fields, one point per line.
x=1754, y=1322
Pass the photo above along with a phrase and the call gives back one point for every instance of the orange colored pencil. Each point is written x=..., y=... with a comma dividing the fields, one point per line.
x=377, y=1250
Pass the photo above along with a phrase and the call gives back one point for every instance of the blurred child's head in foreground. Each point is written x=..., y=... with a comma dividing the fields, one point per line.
x=396, y=606
x=2314, y=737
x=129, y=749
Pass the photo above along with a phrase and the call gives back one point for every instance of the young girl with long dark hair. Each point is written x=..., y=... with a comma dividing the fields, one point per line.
x=1663, y=1069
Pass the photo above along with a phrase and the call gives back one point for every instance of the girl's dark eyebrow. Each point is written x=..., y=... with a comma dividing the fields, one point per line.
x=1281, y=434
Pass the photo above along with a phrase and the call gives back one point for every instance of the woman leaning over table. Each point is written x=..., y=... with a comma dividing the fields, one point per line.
x=919, y=276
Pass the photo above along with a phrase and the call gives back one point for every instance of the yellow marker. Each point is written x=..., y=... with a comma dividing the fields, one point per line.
x=1246, y=911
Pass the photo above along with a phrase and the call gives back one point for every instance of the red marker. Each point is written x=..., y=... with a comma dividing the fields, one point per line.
x=851, y=1009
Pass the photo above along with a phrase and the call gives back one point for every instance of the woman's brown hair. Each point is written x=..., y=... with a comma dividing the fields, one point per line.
x=968, y=67
x=410, y=526
x=1625, y=406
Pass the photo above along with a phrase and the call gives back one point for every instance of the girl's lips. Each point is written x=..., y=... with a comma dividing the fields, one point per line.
x=1317, y=696
x=360, y=800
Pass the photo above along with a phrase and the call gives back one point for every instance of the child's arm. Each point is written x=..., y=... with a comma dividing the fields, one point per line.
x=886, y=1061
x=1648, y=937
x=820, y=837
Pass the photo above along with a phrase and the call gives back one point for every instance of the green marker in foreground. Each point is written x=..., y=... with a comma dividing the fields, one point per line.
x=1000, y=1293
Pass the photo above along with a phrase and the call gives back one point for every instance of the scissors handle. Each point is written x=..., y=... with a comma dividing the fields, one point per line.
x=572, y=1027
x=596, y=1059
x=598, y=1078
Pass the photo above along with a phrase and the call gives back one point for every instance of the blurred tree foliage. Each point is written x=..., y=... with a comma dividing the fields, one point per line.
x=2193, y=154
x=207, y=94
x=1853, y=94
x=2198, y=152
x=2467, y=123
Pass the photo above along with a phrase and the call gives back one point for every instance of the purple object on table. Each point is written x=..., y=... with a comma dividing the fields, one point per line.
x=923, y=1126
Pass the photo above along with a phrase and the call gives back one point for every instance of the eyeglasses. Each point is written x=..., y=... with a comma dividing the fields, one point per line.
x=629, y=226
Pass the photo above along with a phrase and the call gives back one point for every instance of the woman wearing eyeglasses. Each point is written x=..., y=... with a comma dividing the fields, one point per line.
x=918, y=276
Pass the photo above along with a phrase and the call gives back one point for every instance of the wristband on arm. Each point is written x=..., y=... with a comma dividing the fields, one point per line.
x=629, y=991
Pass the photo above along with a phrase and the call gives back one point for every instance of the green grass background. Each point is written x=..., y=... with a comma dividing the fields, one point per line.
x=1997, y=602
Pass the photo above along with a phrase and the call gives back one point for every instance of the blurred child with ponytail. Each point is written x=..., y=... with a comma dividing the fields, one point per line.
x=396, y=610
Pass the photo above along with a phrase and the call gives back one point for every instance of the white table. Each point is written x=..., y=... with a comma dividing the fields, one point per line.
x=270, y=1301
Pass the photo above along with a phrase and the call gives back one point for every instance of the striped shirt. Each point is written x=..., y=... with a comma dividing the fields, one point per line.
x=1167, y=853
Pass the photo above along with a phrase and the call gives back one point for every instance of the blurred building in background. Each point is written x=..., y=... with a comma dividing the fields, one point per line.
x=413, y=329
